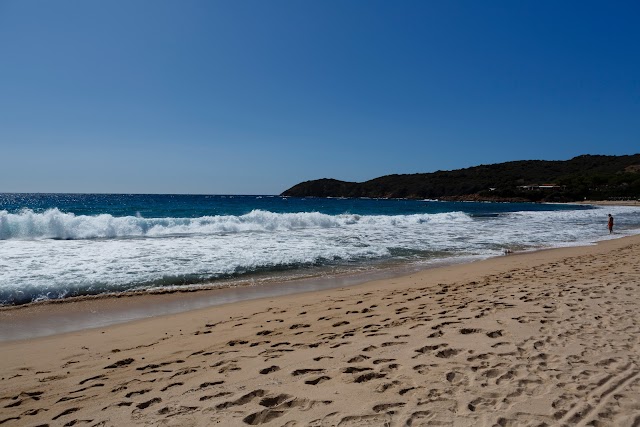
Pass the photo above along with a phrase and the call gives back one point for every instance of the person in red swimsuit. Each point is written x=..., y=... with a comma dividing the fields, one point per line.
x=610, y=225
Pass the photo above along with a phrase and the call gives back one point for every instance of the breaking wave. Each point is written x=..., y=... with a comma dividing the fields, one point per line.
x=55, y=224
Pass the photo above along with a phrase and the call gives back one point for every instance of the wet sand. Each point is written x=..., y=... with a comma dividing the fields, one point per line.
x=53, y=317
x=543, y=338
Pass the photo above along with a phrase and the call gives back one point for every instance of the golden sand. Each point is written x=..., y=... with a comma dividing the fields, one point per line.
x=538, y=339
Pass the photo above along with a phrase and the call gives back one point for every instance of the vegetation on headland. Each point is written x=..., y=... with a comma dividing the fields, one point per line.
x=591, y=177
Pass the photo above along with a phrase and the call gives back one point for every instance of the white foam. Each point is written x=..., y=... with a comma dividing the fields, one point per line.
x=54, y=224
x=116, y=253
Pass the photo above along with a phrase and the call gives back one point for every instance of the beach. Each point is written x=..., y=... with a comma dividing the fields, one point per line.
x=609, y=202
x=540, y=338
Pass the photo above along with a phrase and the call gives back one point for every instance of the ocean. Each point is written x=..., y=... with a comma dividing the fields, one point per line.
x=56, y=246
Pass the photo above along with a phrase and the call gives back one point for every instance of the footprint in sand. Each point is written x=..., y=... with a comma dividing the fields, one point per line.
x=148, y=403
x=243, y=400
x=270, y=369
x=447, y=353
x=135, y=393
x=120, y=363
x=354, y=369
x=369, y=376
x=63, y=413
x=171, y=385
x=384, y=407
x=298, y=372
x=318, y=380
x=299, y=325
x=358, y=359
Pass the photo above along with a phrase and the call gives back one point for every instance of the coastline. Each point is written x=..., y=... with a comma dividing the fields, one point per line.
x=80, y=264
x=61, y=316
x=502, y=341
x=608, y=202
x=53, y=317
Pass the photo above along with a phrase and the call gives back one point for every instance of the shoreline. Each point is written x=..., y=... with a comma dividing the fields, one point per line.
x=54, y=317
x=608, y=202
x=185, y=276
x=538, y=337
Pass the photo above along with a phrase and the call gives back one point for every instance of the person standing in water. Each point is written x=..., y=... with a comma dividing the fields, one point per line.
x=610, y=224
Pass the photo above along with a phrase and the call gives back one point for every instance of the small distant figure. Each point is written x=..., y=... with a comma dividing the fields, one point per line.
x=610, y=224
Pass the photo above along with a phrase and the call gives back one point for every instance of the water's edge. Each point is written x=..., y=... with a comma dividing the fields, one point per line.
x=53, y=317
x=46, y=318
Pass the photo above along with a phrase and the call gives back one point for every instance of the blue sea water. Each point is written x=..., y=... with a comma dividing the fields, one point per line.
x=56, y=246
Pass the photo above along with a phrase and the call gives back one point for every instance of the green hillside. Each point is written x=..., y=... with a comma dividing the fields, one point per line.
x=588, y=176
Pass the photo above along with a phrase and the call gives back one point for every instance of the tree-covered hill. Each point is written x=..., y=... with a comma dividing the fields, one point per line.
x=593, y=177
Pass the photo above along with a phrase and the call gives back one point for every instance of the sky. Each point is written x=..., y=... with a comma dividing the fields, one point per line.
x=253, y=97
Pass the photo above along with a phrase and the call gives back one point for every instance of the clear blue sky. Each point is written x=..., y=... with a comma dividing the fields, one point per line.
x=252, y=97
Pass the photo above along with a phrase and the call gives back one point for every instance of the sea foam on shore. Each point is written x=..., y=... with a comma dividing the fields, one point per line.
x=112, y=244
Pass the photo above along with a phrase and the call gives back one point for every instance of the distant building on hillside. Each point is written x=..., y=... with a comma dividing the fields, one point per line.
x=538, y=187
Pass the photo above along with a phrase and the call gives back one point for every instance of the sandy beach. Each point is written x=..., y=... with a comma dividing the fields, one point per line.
x=609, y=202
x=537, y=339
